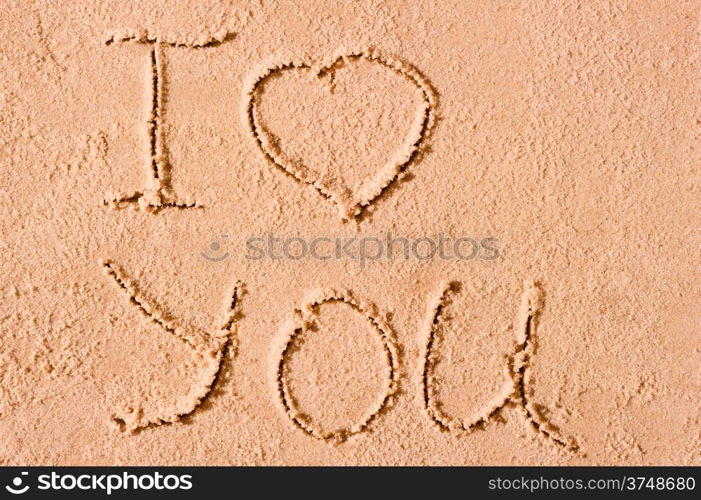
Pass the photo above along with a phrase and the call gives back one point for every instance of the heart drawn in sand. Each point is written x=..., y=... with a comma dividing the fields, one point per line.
x=350, y=126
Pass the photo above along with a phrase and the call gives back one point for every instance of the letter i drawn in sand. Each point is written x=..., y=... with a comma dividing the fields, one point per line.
x=158, y=193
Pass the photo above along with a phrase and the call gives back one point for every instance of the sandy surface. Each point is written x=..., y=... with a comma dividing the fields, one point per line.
x=143, y=144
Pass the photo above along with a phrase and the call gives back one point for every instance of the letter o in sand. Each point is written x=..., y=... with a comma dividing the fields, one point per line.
x=326, y=373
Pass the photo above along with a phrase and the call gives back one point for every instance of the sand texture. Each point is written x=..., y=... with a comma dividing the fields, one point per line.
x=146, y=145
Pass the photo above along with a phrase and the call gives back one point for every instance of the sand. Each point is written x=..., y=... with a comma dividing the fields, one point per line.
x=152, y=151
